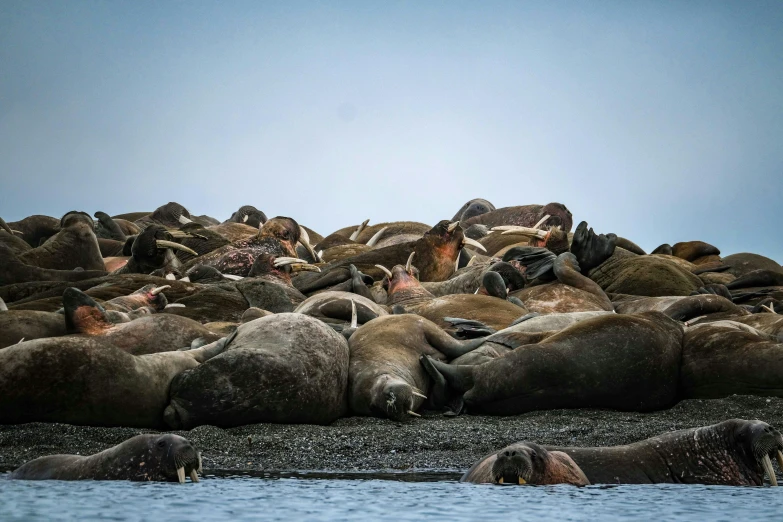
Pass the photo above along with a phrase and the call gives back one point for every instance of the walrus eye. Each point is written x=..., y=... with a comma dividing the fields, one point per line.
x=533, y=454
x=161, y=443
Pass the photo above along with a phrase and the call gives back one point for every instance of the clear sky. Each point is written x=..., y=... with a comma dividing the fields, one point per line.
x=659, y=121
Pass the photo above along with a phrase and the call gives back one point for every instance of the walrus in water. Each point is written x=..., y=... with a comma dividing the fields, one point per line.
x=526, y=463
x=735, y=452
x=160, y=458
x=85, y=380
x=385, y=377
x=588, y=365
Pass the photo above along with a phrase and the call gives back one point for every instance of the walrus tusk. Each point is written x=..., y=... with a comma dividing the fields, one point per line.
x=541, y=221
x=374, y=239
x=500, y=480
x=417, y=394
x=354, y=316
x=21, y=341
x=181, y=475
x=452, y=226
x=184, y=221
x=3, y=306
x=770, y=308
x=297, y=264
x=232, y=277
x=385, y=270
x=199, y=463
x=521, y=480
x=779, y=457
x=304, y=240
x=171, y=277
x=193, y=476
x=413, y=413
x=244, y=219
x=410, y=260
x=185, y=279
x=523, y=231
x=175, y=305
x=472, y=260
x=358, y=230
x=473, y=243
x=162, y=243
x=159, y=289
x=767, y=464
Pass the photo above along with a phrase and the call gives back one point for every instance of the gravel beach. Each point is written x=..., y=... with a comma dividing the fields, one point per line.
x=358, y=444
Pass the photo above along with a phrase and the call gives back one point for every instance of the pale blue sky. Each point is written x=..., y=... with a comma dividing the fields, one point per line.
x=659, y=121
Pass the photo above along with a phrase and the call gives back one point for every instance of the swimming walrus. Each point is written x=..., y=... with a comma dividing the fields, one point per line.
x=735, y=452
x=149, y=457
x=591, y=364
x=526, y=463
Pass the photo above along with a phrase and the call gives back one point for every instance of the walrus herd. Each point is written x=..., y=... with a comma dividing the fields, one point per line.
x=168, y=320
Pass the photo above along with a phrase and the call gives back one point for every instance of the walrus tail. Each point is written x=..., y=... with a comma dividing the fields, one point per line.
x=458, y=378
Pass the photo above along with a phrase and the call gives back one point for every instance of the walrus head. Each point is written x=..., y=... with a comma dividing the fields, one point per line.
x=83, y=314
x=529, y=463
x=174, y=457
x=396, y=399
x=171, y=215
x=437, y=252
x=286, y=230
x=151, y=250
x=762, y=443
x=249, y=215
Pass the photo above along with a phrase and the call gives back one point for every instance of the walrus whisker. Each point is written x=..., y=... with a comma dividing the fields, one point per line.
x=408, y=265
x=385, y=270
x=374, y=239
x=541, y=221
x=181, y=475
x=767, y=464
x=473, y=243
x=452, y=226
x=159, y=289
x=359, y=230
x=414, y=414
x=162, y=244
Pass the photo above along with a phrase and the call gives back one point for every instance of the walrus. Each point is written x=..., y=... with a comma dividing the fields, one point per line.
x=286, y=368
x=73, y=246
x=170, y=215
x=741, y=264
x=35, y=229
x=249, y=215
x=13, y=271
x=588, y=365
x=152, y=250
x=148, y=457
x=473, y=208
x=87, y=381
x=107, y=228
x=336, y=307
x=526, y=216
x=735, y=452
x=526, y=463
x=385, y=377
x=11, y=240
x=363, y=234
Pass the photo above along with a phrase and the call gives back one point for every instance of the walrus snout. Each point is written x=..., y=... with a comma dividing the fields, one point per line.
x=766, y=443
x=513, y=466
x=179, y=456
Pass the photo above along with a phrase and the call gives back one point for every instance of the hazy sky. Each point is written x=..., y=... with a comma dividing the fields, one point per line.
x=659, y=121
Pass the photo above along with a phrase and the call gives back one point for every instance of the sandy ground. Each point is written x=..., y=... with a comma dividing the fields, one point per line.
x=432, y=442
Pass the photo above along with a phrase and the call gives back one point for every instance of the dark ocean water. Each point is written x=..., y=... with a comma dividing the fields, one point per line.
x=376, y=497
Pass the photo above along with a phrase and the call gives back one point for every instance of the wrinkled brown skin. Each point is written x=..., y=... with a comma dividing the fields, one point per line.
x=166, y=215
x=149, y=457
x=131, y=217
x=234, y=231
x=110, y=248
x=626, y=363
x=16, y=325
x=79, y=380
x=13, y=272
x=534, y=464
x=207, y=240
x=719, y=361
x=627, y=273
x=744, y=263
x=526, y=216
x=405, y=290
x=36, y=228
x=285, y=368
x=127, y=227
x=14, y=243
x=680, y=308
x=386, y=351
x=694, y=250
x=497, y=244
x=395, y=228
x=223, y=302
x=771, y=324
x=721, y=454
x=75, y=245
x=346, y=251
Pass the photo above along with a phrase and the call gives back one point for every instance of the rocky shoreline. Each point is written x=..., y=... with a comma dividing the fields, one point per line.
x=360, y=444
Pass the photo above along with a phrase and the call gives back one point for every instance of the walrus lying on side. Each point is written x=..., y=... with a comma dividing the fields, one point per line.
x=166, y=458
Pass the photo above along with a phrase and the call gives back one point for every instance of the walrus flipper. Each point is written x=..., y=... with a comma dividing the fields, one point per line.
x=459, y=378
x=468, y=328
x=449, y=346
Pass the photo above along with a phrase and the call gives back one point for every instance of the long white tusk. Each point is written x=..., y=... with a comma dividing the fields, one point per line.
x=767, y=464
x=358, y=230
x=779, y=457
x=233, y=277
x=524, y=231
x=411, y=412
x=3, y=306
x=282, y=261
x=376, y=237
x=472, y=260
x=456, y=263
x=162, y=243
x=159, y=289
x=354, y=317
x=181, y=475
x=199, y=463
x=185, y=279
x=303, y=235
x=770, y=308
x=541, y=221
x=244, y=219
x=477, y=290
x=452, y=226
x=385, y=270
x=417, y=394
x=304, y=240
x=410, y=260
x=193, y=476
x=21, y=341
x=175, y=305
x=184, y=221
x=473, y=243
